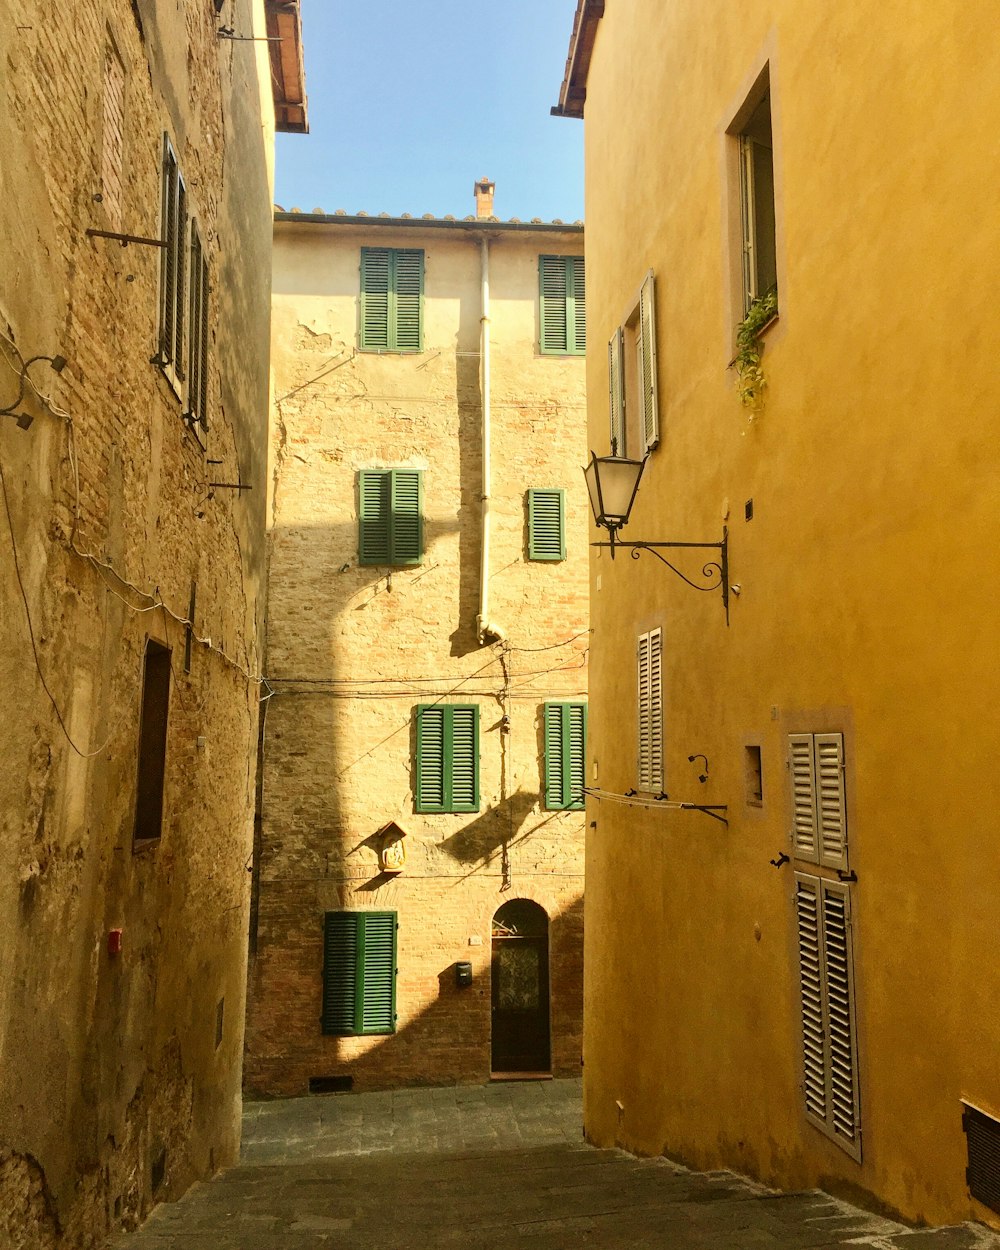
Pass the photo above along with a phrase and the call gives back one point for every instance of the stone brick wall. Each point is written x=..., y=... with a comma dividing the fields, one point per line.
x=351, y=651
x=113, y=1093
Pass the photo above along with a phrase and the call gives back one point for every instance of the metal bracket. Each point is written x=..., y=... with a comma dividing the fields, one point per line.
x=715, y=572
x=125, y=239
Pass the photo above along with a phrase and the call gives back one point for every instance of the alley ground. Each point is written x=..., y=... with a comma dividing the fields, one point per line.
x=484, y=1167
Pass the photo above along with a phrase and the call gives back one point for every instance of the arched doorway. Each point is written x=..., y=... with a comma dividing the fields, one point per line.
x=520, y=994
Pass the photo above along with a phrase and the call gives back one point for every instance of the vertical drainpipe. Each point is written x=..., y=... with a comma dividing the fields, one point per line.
x=485, y=629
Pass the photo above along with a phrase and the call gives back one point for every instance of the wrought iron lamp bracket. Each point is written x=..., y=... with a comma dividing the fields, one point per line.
x=714, y=572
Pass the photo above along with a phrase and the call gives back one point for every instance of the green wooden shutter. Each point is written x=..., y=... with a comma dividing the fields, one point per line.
x=374, y=512
x=552, y=306
x=464, y=770
x=576, y=306
x=546, y=527
x=375, y=285
x=376, y=1012
x=430, y=758
x=565, y=748
x=406, y=520
x=406, y=328
x=340, y=967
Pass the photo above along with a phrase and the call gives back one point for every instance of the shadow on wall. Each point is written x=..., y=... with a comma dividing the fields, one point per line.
x=464, y=639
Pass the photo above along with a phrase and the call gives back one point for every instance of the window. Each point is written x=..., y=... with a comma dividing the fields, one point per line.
x=760, y=271
x=197, y=371
x=753, y=776
x=562, y=305
x=819, y=802
x=391, y=529
x=447, y=758
x=650, y=704
x=565, y=747
x=359, y=972
x=173, y=230
x=546, y=526
x=392, y=299
x=152, y=742
x=634, y=404
x=829, y=1032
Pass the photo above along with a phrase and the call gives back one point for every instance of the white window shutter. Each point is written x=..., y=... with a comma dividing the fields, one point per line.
x=838, y=966
x=805, y=837
x=831, y=806
x=644, y=768
x=647, y=365
x=616, y=394
x=656, y=709
x=812, y=991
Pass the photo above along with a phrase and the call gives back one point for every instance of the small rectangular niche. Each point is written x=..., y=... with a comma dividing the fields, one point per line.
x=753, y=776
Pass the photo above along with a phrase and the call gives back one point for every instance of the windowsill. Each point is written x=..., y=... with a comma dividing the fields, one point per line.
x=764, y=329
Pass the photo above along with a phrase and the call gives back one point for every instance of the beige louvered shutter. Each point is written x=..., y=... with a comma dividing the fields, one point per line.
x=805, y=840
x=831, y=806
x=844, y=1118
x=656, y=708
x=616, y=394
x=645, y=768
x=647, y=365
x=812, y=995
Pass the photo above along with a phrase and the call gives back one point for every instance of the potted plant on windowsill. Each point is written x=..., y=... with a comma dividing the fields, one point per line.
x=750, y=380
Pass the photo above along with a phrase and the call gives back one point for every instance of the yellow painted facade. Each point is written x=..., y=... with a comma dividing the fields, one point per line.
x=864, y=592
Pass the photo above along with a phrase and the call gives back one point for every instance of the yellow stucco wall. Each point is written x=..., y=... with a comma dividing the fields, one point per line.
x=867, y=580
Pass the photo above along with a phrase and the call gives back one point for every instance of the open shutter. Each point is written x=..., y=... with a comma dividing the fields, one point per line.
x=812, y=994
x=842, y=1034
x=555, y=794
x=574, y=755
x=656, y=709
x=463, y=741
x=576, y=306
x=642, y=698
x=406, y=520
x=374, y=512
x=647, y=365
x=375, y=265
x=616, y=394
x=407, y=300
x=377, y=957
x=430, y=759
x=340, y=979
x=552, y=282
x=546, y=531
x=805, y=841
x=831, y=807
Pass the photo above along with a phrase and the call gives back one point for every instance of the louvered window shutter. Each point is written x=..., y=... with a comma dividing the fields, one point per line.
x=464, y=761
x=616, y=394
x=553, y=313
x=576, y=312
x=340, y=968
x=642, y=702
x=447, y=758
x=831, y=809
x=801, y=762
x=375, y=265
x=197, y=374
x=377, y=958
x=173, y=225
x=430, y=759
x=565, y=751
x=406, y=326
x=374, y=512
x=546, y=528
x=406, y=521
x=812, y=993
x=650, y=704
x=647, y=365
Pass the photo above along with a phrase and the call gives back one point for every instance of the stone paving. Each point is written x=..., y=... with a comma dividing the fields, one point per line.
x=480, y=1168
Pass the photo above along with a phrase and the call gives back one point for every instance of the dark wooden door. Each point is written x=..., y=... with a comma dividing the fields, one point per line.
x=520, y=970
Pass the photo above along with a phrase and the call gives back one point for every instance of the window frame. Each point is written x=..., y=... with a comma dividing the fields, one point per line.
x=426, y=714
x=746, y=222
x=633, y=377
x=152, y=744
x=394, y=324
x=559, y=756
x=174, y=219
x=544, y=547
x=196, y=414
x=393, y=482
x=574, y=303
x=333, y=1022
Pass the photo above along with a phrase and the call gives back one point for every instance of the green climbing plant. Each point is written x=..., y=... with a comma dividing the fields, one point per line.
x=750, y=380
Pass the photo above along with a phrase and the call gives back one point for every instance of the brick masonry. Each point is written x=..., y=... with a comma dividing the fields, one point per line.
x=352, y=650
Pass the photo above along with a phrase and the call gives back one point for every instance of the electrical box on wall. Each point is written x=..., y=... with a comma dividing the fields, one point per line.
x=463, y=973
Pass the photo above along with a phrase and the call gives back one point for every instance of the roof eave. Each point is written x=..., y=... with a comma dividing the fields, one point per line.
x=288, y=77
x=573, y=92
x=492, y=225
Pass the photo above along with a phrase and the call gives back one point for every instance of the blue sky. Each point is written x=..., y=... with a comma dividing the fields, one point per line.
x=410, y=101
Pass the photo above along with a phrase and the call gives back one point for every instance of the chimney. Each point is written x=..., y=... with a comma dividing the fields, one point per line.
x=484, y=198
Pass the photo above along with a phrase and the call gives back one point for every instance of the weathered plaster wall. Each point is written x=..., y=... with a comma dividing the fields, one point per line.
x=111, y=1074
x=352, y=650
x=867, y=590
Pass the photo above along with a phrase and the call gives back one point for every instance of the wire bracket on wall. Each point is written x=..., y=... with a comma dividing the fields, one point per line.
x=714, y=572
x=651, y=802
x=124, y=239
